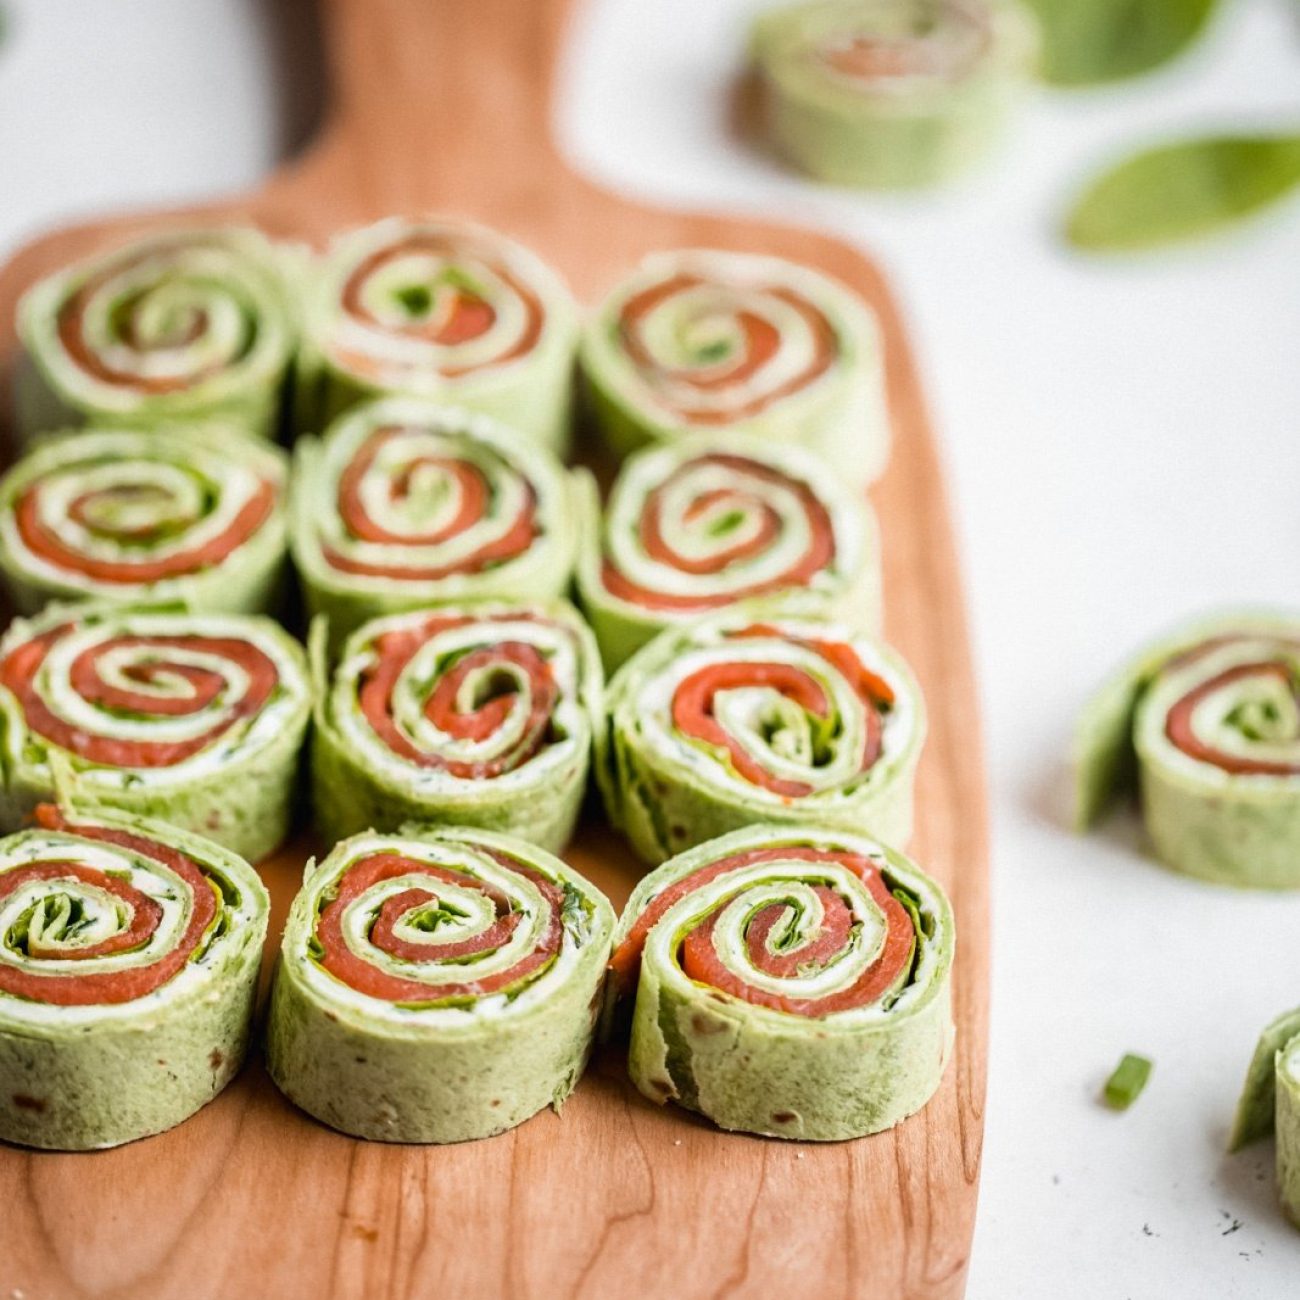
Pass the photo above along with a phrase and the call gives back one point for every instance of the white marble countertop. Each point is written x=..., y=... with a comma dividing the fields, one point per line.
x=1123, y=442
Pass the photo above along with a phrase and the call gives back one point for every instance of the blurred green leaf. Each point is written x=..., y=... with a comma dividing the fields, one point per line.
x=1180, y=191
x=1088, y=42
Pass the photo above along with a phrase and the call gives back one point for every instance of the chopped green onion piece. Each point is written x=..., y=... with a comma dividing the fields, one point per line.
x=1125, y=1085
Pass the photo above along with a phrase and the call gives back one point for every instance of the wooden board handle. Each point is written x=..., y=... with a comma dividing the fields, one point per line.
x=443, y=84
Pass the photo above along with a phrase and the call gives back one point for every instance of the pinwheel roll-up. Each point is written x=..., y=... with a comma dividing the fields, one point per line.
x=437, y=985
x=1206, y=723
x=787, y=981
x=469, y=715
x=1270, y=1101
x=696, y=527
x=896, y=93
x=195, y=719
x=759, y=714
x=129, y=953
x=405, y=504
x=188, y=325
x=1255, y=1110
x=697, y=341
x=448, y=311
x=132, y=515
x=1288, y=1129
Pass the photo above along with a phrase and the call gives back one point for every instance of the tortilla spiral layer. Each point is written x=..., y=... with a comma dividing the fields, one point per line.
x=436, y=985
x=134, y=515
x=188, y=325
x=895, y=94
x=699, y=341
x=404, y=504
x=196, y=719
x=448, y=311
x=476, y=715
x=759, y=714
x=787, y=981
x=693, y=528
x=1206, y=724
x=129, y=954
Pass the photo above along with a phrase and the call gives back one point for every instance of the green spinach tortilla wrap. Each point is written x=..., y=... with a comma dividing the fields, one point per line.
x=150, y=516
x=765, y=713
x=698, y=341
x=1206, y=723
x=189, y=325
x=1255, y=1109
x=469, y=715
x=436, y=985
x=788, y=981
x=405, y=504
x=1288, y=1130
x=129, y=953
x=448, y=311
x=195, y=719
x=1270, y=1102
x=893, y=93
x=694, y=527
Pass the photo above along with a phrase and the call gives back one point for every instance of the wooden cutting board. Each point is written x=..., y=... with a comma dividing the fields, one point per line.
x=443, y=106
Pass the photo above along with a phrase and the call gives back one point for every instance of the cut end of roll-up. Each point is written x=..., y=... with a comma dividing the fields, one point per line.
x=404, y=503
x=448, y=311
x=195, y=719
x=1205, y=723
x=127, y=978
x=791, y=982
x=477, y=714
x=768, y=712
x=436, y=985
x=187, y=325
x=1254, y=1117
x=192, y=514
x=700, y=341
x=697, y=526
x=898, y=94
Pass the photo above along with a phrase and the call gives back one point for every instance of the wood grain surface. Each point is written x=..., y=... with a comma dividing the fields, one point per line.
x=443, y=106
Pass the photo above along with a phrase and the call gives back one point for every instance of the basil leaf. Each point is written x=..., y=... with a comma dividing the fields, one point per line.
x=1179, y=191
x=1087, y=42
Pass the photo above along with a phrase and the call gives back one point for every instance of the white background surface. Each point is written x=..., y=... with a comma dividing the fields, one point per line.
x=1123, y=442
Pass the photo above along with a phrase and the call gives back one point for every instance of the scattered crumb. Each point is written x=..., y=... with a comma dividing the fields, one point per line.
x=799, y=1155
x=1232, y=1227
x=677, y=1142
x=1146, y=1231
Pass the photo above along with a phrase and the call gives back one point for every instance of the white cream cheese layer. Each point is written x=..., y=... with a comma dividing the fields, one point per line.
x=1255, y=717
x=206, y=310
x=405, y=296
x=707, y=508
x=463, y=856
x=698, y=332
x=570, y=728
x=47, y=904
x=235, y=737
x=773, y=729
